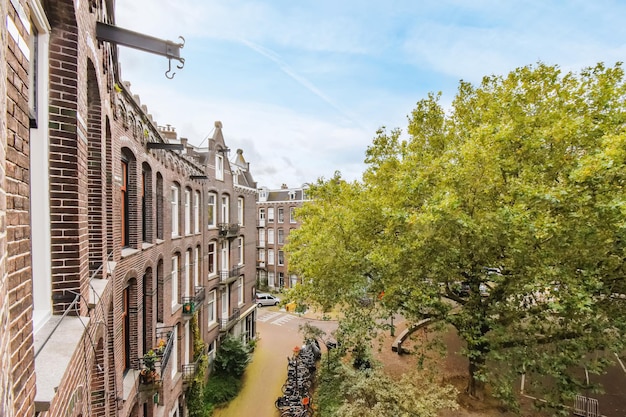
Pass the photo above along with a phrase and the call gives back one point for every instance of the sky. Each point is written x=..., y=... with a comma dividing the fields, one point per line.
x=302, y=86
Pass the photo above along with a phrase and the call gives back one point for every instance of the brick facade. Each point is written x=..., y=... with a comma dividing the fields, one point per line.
x=275, y=221
x=74, y=334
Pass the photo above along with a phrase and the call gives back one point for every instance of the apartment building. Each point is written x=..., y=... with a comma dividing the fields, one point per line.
x=115, y=235
x=275, y=220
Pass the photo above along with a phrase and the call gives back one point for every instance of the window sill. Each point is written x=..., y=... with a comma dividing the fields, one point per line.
x=97, y=287
x=146, y=245
x=126, y=252
x=55, y=354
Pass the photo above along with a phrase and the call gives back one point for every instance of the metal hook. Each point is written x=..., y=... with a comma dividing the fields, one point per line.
x=169, y=70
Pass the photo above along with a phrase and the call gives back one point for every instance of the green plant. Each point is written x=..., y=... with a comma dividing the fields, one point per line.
x=232, y=358
x=222, y=389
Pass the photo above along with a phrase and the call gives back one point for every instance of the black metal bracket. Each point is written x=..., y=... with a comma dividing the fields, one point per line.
x=168, y=146
x=136, y=40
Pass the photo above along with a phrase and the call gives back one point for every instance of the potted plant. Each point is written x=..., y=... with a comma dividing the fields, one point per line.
x=148, y=374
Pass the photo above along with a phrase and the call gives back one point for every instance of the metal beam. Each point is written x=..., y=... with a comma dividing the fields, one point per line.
x=120, y=36
x=168, y=146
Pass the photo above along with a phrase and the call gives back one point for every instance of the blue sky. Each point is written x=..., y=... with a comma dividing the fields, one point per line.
x=302, y=86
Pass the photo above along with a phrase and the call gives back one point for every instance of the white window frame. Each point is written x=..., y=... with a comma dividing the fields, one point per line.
x=270, y=236
x=224, y=303
x=212, y=255
x=225, y=209
x=270, y=256
x=281, y=258
x=187, y=212
x=281, y=215
x=212, y=210
x=261, y=217
x=174, y=278
x=270, y=214
x=219, y=167
x=174, y=355
x=240, y=247
x=212, y=308
x=187, y=281
x=224, y=261
x=196, y=212
x=271, y=279
x=174, y=196
x=292, y=215
x=262, y=238
x=261, y=255
x=281, y=236
x=240, y=291
x=197, y=268
x=40, y=180
x=240, y=211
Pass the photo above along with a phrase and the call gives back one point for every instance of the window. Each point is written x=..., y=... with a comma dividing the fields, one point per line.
x=124, y=205
x=126, y=326
x=39, y=165
x=224, y=302
x=240, y=250
x=262, y=217
x=196, y=212
x=240, y=291
x=159, y=292
x=261, y=255
x=147, y=231
x=211, y=352
x=175, y=192
x=270, y=214
x=281, y=215
x=160, y=191
x=174, y=276
x=281, y=279
x=292, y=214
x=187, y=279
x=292, y=195
x=224, y=257
x=270, y=236
x=197, y=268
x=262, y=237
x=225, y=209
x=211, y=258
x=174, y=355
x=240, y=211
x=211, y=308
x=212, y=210
x=219, y=167
x=281, y=236
x=187, y=212
x=270, y=256
x=271, y=278
x=281, y=257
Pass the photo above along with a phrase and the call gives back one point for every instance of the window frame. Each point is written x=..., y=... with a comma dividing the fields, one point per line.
x=212, y=259
x=187, y=204
x=212, y=210
x=175, y=209
x=219, y=167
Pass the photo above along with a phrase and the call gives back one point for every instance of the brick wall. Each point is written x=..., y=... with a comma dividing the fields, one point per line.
x=16, y=262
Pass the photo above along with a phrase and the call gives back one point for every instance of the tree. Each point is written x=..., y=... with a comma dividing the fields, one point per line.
x=515, y=195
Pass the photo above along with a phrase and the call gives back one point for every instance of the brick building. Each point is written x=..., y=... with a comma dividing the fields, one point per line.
x=275, y=220
x=114, y=234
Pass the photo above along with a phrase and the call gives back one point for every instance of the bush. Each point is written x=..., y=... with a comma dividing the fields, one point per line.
x=232, y=358
x=220, y=390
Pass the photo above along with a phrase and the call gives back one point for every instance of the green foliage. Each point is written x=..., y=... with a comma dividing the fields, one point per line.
x=221, y=389
x=345, y=392
x=232, y=358
x=517, y=188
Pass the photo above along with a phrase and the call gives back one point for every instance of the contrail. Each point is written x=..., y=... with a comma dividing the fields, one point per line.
x=274, y=57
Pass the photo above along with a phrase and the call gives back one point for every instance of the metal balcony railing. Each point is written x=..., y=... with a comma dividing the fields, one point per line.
x=228, y=230
x=229, y=322
x=229, y=276
x=191, y=304
x=154, y=362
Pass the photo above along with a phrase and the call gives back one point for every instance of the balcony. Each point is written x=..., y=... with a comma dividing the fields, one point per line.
x=228, y=230
x=260, y=223
x=154, y=362
x=190, y=370
x=227, y=323
x=191, y=304
x=226, y=277
x=260, y=264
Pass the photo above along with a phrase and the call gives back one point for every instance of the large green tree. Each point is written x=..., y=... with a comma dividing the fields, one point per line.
x=515, y=191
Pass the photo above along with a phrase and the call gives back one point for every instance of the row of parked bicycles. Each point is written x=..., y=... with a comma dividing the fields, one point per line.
x=296, y=398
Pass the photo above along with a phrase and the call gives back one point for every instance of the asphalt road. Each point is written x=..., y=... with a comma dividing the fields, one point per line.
x=267, y=372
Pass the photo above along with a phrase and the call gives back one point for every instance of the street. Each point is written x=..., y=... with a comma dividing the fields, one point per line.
x=265, y=375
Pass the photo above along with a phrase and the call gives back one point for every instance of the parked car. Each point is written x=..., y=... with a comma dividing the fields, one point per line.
x=264, y=299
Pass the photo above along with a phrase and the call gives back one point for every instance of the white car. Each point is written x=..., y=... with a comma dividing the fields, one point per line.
x=264, y=299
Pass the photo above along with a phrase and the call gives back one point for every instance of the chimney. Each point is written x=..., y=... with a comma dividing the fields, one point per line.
x=283, y=187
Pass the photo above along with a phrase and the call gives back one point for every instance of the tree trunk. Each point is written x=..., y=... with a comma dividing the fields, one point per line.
x=475, y=387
